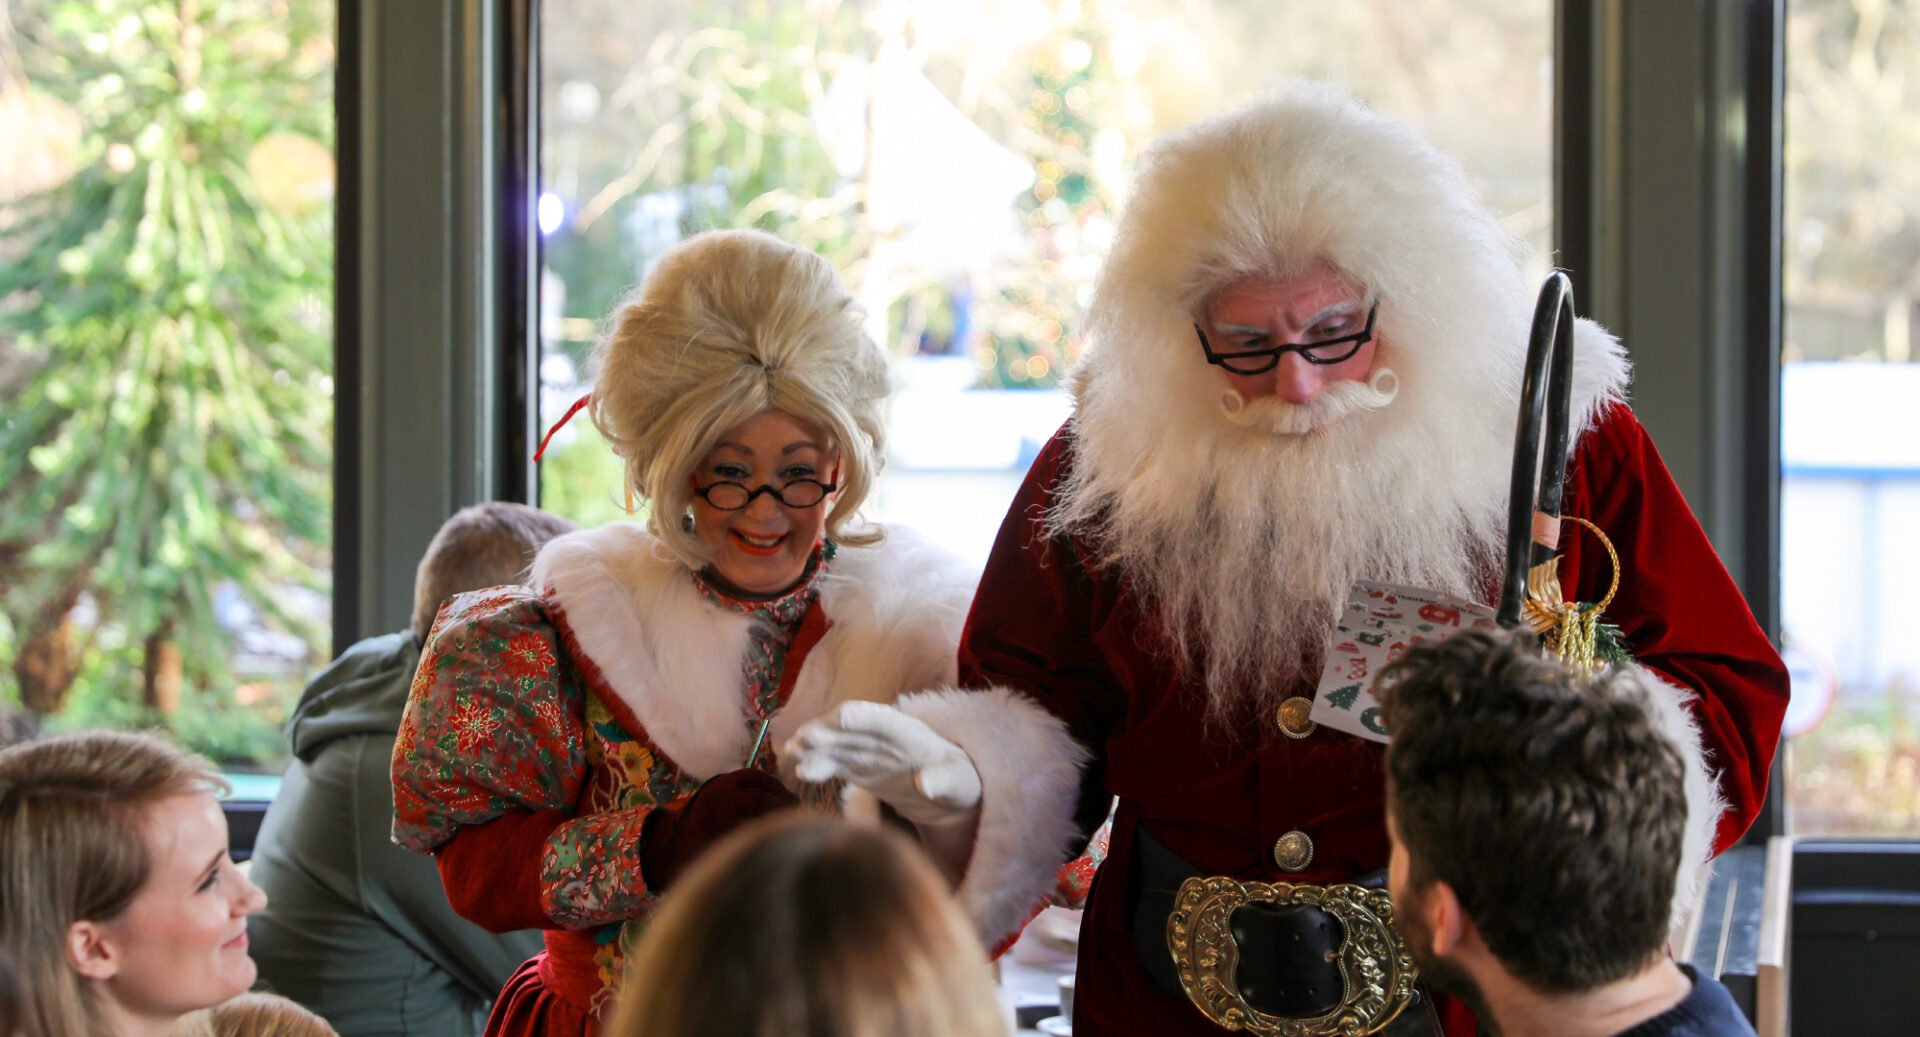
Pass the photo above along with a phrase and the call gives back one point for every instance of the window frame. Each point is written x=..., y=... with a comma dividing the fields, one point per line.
x=436, y=263
x=1691, y=205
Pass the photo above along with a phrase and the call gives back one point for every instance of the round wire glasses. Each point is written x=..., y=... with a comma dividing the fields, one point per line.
x=733, y=496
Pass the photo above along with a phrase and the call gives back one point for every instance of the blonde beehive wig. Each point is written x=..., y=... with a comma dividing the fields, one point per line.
x=729, y=324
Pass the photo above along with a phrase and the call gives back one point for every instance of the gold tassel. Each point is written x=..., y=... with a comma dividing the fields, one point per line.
x=1570, y=630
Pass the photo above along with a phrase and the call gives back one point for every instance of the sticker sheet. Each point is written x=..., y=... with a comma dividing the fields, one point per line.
x=1380, y=622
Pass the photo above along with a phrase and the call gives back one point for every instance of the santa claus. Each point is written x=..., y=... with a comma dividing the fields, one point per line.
x=1304, y=370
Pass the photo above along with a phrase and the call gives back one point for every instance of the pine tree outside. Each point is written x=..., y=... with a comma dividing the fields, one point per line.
x=165, y=361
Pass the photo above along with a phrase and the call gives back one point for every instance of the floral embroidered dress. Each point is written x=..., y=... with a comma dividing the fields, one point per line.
x=508, y=715
x=543, y=728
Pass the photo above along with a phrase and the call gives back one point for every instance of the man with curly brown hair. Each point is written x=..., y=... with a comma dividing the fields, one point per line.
x=1537, y=819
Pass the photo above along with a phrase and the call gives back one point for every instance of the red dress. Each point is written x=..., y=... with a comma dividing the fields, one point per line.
x=1047, y=624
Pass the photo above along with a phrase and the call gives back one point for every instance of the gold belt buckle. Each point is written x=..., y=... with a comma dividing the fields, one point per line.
x=1376, y=972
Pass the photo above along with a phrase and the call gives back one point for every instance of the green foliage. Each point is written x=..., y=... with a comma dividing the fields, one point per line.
x=1858, y=772
x=212, y=723
x=1851, y=140
x=582, y=481
x=163, y=330
x=727, y=139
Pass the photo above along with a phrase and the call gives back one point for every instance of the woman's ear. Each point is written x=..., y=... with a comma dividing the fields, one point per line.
x=91, y=952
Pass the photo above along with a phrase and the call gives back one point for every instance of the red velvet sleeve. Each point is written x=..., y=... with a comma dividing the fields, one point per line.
x=1029, y=628
x=492, y=871
x=1680, y=611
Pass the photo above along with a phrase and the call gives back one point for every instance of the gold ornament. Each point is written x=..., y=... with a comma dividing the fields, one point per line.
x=1571, y=630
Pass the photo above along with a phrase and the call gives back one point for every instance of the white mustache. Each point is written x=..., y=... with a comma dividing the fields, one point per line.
x=1332, y=405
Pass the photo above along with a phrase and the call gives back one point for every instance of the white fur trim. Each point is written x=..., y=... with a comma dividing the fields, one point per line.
x=1601, y=372
x=1030, y=783
x=897, y=610
x=674, y=658
x=668, y=653
x=1667, y=704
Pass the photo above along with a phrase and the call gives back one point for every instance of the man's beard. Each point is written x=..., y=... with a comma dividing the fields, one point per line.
x=1436, y=972
x=1247, y=547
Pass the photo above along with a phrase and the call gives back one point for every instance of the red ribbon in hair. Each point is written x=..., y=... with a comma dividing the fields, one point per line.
x=564, y=418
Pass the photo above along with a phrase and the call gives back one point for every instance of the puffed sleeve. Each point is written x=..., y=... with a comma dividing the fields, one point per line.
x=489, y=765
x=495, y=721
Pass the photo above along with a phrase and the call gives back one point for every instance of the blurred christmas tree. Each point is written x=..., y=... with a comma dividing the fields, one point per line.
x=1076, y=123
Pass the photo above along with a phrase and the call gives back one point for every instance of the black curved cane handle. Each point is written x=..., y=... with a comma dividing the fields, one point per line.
x=1546, y=397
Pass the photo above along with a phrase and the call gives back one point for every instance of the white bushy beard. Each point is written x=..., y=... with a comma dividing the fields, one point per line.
x=1245, y=547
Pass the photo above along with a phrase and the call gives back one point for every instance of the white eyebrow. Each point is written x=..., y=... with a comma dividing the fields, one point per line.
x=1343, y=308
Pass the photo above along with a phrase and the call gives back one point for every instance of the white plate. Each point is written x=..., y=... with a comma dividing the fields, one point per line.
x=1055, y=1026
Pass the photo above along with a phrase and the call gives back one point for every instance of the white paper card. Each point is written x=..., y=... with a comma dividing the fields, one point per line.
x=1380, y=622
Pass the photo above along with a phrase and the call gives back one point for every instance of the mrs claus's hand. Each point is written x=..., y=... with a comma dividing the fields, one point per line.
x=925, y=778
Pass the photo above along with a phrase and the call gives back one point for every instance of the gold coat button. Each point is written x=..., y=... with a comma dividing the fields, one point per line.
x=1292, y=717
x=1293, y=851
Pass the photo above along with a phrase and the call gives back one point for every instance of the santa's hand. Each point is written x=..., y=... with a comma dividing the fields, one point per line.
x=922, y=776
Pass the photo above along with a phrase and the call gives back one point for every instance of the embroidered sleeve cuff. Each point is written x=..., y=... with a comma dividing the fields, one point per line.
x=590, y=870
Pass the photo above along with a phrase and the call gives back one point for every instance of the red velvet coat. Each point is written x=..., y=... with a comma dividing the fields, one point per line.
x=1045, y=624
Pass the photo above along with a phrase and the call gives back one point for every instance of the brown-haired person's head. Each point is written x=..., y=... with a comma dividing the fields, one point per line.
x=804, y=926
x=1534, y=812
x=480, y=546
x=118, y=902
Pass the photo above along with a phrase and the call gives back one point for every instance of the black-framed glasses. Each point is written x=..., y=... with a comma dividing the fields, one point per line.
x=1260, y=361
x=733, y=496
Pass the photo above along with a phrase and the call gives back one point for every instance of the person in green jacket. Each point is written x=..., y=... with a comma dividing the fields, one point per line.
x=358, y=929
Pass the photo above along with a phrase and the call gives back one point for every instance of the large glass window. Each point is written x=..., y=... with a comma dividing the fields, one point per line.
x=963, y=165
x=1850, y=432
x=166, y=184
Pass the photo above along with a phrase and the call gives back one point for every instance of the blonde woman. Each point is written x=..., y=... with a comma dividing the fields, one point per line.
x=256, y=1014
x=568, y=751
x=809, y=927
x=118, y=903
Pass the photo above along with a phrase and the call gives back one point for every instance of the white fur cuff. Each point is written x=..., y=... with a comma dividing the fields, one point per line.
x=1030, y=783
x=1667, y=703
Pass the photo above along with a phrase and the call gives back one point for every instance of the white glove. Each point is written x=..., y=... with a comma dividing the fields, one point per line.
x=922, y=776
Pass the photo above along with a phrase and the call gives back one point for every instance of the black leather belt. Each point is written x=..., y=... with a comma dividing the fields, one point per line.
x=1289, y=958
